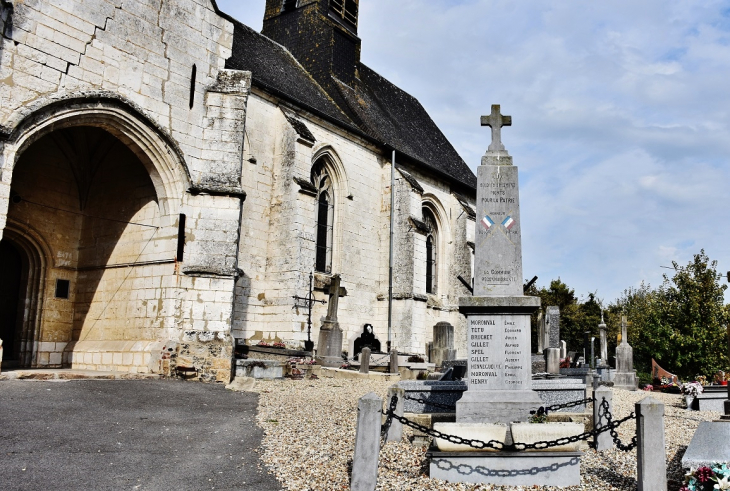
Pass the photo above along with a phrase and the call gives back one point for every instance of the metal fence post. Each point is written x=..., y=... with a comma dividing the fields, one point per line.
x=395, y=433
x=367, y=443
x=393, y=361
x=603, y=441
x=651, y=457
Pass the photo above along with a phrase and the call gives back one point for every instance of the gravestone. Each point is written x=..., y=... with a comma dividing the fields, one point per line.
x=443, y=344
x=366, y=340
x=365, y=360
x=625, y=377
x=563, y=349
x=604, y=343
x=552, y=352
x=329, y=343
x=552, y=325
x=540, y=333
x=498, y=315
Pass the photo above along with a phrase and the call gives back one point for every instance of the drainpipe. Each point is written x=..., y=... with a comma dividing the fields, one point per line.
x=390, y=253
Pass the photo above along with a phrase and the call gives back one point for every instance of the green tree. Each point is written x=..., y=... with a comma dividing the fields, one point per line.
x=681, y=324
x=575, y=317
x=698, y=317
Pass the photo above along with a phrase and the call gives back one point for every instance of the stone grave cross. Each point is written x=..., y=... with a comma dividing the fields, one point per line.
x=329, y=344
x=495, y=121
x=335, y=292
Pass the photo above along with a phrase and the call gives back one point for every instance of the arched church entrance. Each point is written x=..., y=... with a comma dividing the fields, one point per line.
x=11, y=274
x=87, y=193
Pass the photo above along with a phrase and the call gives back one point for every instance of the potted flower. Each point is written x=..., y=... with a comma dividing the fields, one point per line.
x=690, y=391
x=717, y=476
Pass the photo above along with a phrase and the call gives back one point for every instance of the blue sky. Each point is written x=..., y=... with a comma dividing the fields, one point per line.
x=620, y=120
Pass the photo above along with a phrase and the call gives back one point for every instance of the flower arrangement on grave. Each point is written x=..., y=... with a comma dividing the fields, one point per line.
x=423, y=375
x=415, y=359
x=565, y=362
x=345, y=365
x=692, y=389
x=717, y=476
x=301, y=361
x=701, y=379
x=278, y=344
x=539, y=416
x=262, y=343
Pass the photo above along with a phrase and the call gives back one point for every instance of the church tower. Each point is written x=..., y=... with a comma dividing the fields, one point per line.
x=321, y=34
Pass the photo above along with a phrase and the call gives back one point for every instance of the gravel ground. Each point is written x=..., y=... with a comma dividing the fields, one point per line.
x=310, y=432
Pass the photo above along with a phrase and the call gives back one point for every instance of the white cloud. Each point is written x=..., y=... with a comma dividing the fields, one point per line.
x=621, y=126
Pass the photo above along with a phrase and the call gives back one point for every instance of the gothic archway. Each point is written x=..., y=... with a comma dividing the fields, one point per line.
x=103, y=190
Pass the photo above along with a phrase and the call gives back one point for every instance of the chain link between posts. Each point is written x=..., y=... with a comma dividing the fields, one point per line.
x=610, y=426
x=554, y=407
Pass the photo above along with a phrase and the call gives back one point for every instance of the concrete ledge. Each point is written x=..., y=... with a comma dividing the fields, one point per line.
x=341, y=373
x=497, y=305
x=507, y=468
x=70, y=374
x=710, y=444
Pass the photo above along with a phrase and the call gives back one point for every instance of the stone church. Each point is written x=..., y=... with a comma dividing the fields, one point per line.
x=169, y=178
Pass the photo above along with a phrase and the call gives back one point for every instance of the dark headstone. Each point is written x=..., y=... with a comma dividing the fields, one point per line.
x=366, y=340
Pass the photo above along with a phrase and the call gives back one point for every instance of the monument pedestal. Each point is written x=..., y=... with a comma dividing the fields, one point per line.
x=329, y=345
x=499, y=361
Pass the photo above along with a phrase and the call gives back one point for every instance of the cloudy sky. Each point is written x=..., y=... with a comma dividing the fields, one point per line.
x=620, y=120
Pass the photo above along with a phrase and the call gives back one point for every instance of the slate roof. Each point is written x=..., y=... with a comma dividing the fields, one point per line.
x=373, y=106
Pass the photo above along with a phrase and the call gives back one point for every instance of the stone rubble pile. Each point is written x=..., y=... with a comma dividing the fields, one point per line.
x=310, y=435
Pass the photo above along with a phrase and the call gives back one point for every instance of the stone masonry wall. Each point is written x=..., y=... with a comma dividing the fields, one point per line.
x=277, y=253
x=141, y=55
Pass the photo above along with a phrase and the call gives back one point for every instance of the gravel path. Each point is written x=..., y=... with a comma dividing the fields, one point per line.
x=310, y=432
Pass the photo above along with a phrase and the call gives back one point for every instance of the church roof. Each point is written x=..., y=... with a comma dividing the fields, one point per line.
x=370, y=105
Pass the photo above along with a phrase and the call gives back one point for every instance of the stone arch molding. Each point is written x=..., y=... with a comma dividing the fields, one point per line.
x=38, y=254
x=158, y=153
x=336, y=168
x=432, y=202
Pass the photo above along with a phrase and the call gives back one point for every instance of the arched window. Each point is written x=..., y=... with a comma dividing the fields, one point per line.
x=324, y=217
x=289, y=5
x=431, y=251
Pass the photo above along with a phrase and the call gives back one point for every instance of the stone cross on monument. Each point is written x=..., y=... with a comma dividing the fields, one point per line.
x=495, y=121
x=498, y=315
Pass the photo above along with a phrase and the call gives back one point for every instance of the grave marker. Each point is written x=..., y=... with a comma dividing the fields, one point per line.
x=498, y=315
x=625, y=377
x=329, y=345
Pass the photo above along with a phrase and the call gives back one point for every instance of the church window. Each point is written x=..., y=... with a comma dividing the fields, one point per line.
x=324, y=218
x=346, y=10
x=431, y=251
x=289, y=5
x=192, y=85
x=63, y=288
x=181, y=238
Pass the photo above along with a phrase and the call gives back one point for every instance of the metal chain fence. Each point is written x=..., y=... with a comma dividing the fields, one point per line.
x=610, y=426
x=554, y=407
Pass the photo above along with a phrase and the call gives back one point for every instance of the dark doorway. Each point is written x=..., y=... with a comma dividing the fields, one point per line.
x=11, y=269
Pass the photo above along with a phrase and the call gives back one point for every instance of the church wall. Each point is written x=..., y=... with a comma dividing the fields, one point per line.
x=277, y=252
x=142, y=54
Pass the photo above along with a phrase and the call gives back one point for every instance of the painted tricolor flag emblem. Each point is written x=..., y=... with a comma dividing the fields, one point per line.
x=508, y=223
x=487, y=222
